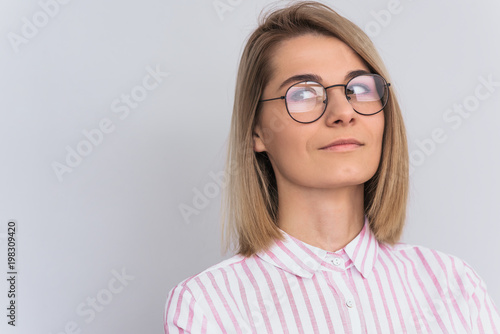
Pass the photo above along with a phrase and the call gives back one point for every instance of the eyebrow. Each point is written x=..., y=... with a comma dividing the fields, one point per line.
x=317, y=78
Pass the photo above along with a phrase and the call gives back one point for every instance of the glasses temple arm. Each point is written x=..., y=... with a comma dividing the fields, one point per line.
x=276, y=98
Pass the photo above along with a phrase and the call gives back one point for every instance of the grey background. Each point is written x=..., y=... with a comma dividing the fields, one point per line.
x=118, y=210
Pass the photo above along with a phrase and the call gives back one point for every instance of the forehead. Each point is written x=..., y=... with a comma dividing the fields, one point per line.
x=325, y=56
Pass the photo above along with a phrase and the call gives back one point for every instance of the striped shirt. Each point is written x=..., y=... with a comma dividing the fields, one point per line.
x=366, y=287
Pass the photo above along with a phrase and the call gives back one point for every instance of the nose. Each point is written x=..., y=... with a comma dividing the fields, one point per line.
x=338, y=109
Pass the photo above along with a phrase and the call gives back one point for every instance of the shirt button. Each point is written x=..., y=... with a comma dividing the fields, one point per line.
x=350, y=303
x=336, y=262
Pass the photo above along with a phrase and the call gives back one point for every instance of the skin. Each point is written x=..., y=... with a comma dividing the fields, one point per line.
x=320, y=192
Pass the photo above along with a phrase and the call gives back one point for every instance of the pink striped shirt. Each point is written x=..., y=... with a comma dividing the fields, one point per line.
x=367, y=287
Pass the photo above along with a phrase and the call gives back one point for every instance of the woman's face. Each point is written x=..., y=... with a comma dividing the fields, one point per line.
x=296, y=150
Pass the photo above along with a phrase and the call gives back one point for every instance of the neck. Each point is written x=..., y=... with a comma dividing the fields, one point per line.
x=325, y=218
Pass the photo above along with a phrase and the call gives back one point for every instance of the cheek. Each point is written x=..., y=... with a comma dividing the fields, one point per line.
x=378, y=137
x=373, y=128
x=276, y=129
x=272, y=123
x=287, y=146
x=378, y=125
x=283, y=143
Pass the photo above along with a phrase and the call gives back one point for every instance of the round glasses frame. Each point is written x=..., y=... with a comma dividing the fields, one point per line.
x=325, y=101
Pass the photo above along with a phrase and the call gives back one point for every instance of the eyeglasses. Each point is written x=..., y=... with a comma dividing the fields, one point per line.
x=306, y=101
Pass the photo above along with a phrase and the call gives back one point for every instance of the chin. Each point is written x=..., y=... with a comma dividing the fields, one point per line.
x=338, y=181
x=351, y=177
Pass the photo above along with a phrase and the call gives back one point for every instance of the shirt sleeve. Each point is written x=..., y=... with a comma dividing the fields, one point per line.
x=484, y=314
x=183, y=314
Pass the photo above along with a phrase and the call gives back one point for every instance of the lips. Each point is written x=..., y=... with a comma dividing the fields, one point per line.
x=343, y=141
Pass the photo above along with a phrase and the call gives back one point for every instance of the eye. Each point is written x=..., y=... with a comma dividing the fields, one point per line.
x=364, y=88
x=302, y=92
x=358, y=89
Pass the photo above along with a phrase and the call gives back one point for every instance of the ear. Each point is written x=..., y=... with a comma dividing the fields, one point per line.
x=258, y=139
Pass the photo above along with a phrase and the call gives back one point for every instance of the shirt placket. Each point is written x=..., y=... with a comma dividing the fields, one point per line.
x=335, y=265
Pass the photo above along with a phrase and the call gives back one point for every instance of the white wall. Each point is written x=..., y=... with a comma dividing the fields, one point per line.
x=117, y=212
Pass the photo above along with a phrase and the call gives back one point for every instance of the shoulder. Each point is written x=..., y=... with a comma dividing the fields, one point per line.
x=196, y=285
x=420, y=253
x=425, y=256
x=190, y=303
x=434, y=264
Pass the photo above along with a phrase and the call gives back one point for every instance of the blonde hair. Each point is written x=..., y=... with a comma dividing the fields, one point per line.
x=250, y=201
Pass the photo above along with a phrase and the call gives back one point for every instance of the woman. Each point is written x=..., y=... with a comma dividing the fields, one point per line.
x=317, y=192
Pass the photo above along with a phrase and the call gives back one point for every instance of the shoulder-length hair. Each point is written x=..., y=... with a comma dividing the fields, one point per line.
x=250, y=200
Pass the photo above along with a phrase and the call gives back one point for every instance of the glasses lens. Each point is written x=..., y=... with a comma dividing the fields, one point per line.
x=305, y=101
x=367, y=93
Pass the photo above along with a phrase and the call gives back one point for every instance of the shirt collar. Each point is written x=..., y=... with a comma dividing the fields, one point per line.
x=302, y=259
